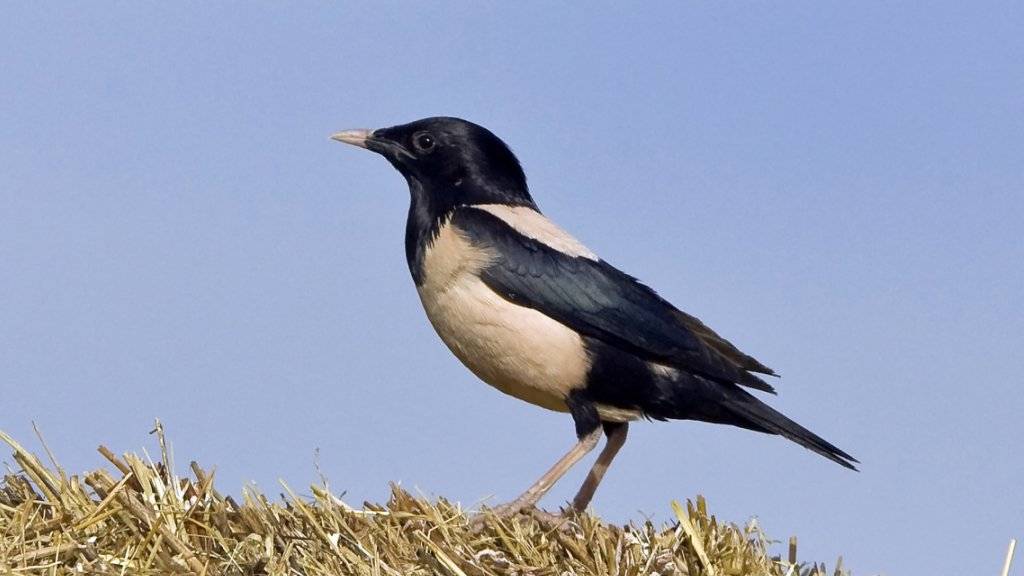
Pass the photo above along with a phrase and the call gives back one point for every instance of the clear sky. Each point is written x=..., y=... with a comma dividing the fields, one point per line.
x=836, y=187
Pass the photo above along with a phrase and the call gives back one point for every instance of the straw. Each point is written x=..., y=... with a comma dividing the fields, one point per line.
x=139, y=517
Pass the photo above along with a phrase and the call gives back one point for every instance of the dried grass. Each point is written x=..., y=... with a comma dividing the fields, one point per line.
x=140, y=518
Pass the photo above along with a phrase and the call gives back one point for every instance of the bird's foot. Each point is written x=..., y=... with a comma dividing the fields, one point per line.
x=560, y=521
x=503, y=512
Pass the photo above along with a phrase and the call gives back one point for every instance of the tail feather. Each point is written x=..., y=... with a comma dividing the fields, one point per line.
x=680, y=395
x=767, y=419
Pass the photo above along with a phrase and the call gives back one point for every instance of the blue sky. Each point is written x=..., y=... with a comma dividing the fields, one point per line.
x=838, y=188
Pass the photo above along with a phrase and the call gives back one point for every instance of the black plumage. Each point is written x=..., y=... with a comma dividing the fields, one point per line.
x=534, y=313
x=597, y=300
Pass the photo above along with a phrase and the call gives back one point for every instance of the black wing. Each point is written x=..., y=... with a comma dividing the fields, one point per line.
x=596, y=299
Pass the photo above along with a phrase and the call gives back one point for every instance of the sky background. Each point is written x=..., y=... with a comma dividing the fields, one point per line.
x=838, y=188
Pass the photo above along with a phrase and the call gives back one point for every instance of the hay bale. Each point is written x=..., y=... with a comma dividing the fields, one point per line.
x=144, y=519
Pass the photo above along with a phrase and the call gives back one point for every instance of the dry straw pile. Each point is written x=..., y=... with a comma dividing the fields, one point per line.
x=140, y=518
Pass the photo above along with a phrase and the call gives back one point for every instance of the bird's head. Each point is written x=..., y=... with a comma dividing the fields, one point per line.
x=450, y=161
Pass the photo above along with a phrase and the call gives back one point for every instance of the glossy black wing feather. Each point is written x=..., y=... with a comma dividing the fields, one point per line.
x=598, y=300
x=723, y=346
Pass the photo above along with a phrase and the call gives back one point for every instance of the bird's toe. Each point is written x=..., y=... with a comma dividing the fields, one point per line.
x=502, y=512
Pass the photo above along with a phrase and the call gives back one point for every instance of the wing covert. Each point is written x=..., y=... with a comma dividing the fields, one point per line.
x=598, y=300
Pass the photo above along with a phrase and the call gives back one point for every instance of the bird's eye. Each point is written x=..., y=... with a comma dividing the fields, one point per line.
x=423, y=142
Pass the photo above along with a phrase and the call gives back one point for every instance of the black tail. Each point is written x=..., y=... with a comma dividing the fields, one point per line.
x=687, y=397
x=760, y=416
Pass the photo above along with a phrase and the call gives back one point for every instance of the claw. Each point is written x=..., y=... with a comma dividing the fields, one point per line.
x=503, y=512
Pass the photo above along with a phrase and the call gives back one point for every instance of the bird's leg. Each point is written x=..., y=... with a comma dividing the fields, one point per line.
x=616, y=432
x=539, y=488
x=588, y=431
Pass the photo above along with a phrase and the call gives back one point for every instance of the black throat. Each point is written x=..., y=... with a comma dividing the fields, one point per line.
x=422, y=226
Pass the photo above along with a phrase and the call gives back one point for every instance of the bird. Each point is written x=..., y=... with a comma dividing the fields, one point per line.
x=533, y=312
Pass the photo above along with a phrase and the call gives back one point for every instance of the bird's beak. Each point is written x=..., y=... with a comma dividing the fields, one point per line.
x=353, y=137
x=374, y=141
